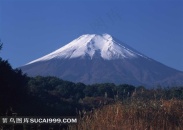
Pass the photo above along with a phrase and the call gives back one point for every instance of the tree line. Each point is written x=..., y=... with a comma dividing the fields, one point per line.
x=54, y=96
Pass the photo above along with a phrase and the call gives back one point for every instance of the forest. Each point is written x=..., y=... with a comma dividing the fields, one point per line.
x=51, y=96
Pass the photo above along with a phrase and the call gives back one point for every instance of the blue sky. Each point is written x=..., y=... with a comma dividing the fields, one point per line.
x=30, y=29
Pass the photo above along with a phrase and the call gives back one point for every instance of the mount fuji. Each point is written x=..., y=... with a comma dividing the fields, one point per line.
x=95, y=58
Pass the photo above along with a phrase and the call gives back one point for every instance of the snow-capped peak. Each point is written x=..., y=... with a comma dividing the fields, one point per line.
x=92, y=45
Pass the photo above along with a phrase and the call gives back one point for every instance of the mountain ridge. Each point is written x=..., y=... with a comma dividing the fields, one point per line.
x=95, y=58
x=106, y=47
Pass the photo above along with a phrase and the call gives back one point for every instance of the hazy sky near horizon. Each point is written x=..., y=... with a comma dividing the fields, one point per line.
x=31, y=29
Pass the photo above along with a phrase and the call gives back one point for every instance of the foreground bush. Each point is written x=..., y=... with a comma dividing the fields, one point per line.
x=135, y=115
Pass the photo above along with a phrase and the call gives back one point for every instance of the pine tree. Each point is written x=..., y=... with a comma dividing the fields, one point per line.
x=12, y=85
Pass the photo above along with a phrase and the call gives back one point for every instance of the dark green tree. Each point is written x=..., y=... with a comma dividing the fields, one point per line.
x=124, y=91
x=12, y=86
x=106, y=89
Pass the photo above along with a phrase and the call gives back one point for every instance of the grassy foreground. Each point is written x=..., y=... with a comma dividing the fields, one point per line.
x=135, y=115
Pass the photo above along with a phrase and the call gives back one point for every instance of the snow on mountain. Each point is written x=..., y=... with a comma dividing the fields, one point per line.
x=95, y=58
x=92, y=45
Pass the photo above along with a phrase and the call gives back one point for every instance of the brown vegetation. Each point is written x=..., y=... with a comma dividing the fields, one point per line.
x=135, y=115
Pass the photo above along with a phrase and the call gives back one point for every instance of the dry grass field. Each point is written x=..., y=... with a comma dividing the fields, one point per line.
x=134, y=115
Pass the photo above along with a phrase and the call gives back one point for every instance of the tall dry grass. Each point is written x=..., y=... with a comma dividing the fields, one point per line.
x=135, y=115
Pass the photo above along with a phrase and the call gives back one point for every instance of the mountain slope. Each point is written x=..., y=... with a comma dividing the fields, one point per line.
x=101, y=58
x=91, y=45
